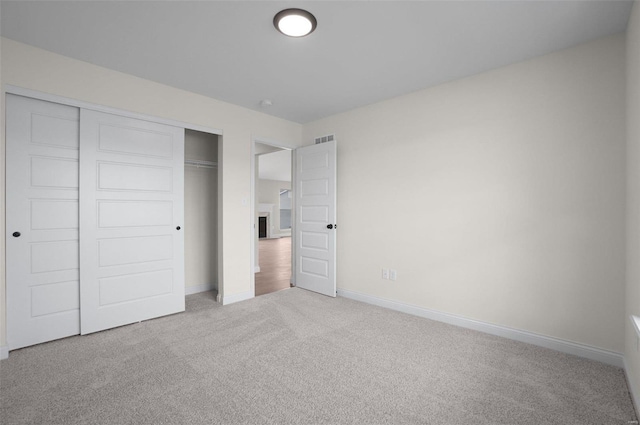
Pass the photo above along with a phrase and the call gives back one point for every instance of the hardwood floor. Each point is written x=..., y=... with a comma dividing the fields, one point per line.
x=275, y=265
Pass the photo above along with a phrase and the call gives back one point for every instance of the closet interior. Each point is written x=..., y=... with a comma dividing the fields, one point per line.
x=201, y=211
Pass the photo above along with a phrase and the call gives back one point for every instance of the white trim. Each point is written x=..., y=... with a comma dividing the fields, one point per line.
x=636, y=324
x=230, y=299
x=189, y=290
x=20, y=91
x=635, y=395
x=569, y=347
x=274, y=143
x=294, y=243
x=4, y=352
x=254, y=255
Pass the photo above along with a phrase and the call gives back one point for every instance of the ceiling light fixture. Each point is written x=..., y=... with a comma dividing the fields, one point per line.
x=295, y=22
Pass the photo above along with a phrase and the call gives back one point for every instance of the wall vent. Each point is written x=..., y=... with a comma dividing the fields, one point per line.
x=325, y=139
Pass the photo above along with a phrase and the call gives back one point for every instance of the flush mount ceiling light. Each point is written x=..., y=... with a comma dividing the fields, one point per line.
x=295, y=22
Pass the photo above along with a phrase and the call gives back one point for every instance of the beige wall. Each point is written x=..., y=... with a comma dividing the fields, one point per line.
x=499, y=197
x=632, y=356
x=36, y=69
x=200, y=146
x=200, y=211
x=269, y=193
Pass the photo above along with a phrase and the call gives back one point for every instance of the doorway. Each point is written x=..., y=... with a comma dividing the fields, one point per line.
x=272, y=198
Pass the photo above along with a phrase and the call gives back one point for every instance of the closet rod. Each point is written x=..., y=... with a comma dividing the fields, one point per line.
x=200, y=164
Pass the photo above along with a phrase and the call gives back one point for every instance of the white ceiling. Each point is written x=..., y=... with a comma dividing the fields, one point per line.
x=361, y=52
x=275, y=166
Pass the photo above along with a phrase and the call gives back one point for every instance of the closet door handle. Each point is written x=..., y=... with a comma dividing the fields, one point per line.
x=178, y=228
x=16, y=234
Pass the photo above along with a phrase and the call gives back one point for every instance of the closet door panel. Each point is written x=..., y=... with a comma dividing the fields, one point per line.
x=134, y=177
x=131, y=191
x=42, y=206
x=124, y=215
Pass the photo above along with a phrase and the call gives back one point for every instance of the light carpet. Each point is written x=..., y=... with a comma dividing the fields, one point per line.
x=295, y=357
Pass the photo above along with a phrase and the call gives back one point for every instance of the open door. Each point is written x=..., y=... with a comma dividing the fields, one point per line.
x=315, y=203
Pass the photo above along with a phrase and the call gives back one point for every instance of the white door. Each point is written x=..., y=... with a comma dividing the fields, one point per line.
x=315, y=203
x=42, y=221
x=131, y=218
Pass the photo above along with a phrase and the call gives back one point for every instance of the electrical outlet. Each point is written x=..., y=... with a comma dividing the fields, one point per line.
x=393, y=274
x=385, y=273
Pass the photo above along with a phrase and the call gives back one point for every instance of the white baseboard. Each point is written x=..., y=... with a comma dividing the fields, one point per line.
x=586, y=351
x=189, y=290
x=230, y=299
x=256, y=269
x=4, y=352
x=635, y=395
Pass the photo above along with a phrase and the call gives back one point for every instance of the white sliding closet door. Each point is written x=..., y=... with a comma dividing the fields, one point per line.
x=42, y=221
x=131, y=213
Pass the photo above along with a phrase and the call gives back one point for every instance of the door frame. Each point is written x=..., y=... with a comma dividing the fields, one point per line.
x=253, y=269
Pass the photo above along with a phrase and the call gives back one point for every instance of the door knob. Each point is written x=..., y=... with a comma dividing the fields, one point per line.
x=329, y=226
x=178, y=228
x=16, y=234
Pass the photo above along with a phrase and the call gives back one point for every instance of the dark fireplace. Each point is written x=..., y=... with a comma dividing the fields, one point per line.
x=262, y=227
